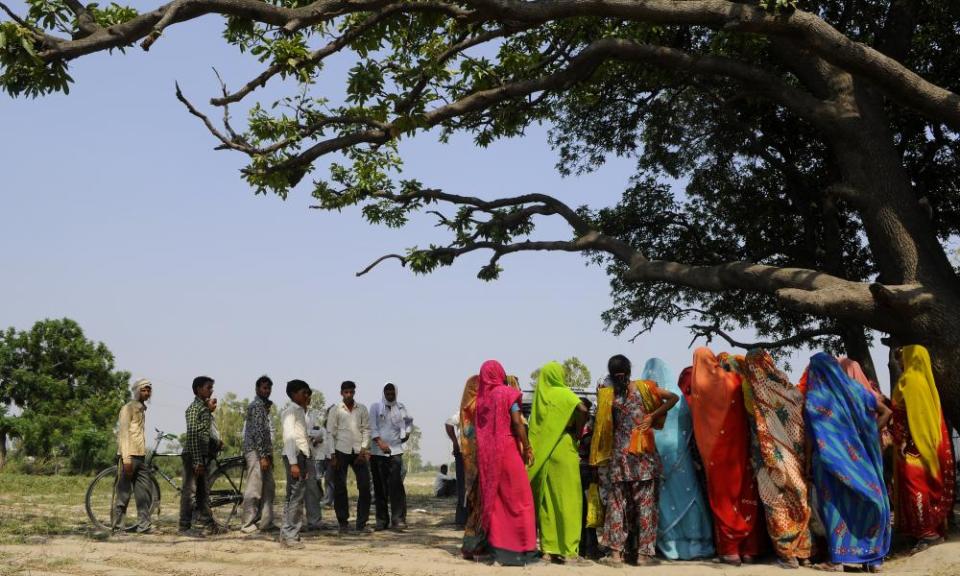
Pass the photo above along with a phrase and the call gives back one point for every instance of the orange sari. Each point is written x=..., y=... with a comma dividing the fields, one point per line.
x=723, y=438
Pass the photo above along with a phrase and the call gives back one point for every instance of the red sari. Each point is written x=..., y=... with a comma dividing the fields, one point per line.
x=923, y=461
x=508, y=514
x=723, y=438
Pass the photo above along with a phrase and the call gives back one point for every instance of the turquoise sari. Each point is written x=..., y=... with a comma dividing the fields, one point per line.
x=685, y=531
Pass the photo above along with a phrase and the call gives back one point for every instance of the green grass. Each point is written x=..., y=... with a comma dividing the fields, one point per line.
x=39, y=506
x=33, y=508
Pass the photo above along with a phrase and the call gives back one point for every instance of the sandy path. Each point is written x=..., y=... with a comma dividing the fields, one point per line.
x=422, y=551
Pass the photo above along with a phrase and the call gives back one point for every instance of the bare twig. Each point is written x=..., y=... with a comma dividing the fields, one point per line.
x=403, y=262
x=227, y=142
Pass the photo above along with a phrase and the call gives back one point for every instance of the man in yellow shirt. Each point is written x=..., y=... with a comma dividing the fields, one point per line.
x=132, y=449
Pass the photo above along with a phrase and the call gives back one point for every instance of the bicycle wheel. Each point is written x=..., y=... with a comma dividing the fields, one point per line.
x=100, y=500
x=226, y=493
x=100, y=497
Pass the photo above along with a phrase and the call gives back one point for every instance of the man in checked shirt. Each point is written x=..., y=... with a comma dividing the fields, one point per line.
x=259, y=489
x=194, y=498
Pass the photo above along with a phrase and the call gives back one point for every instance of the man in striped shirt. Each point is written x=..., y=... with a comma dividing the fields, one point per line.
x=259, y=489
x=194, y=498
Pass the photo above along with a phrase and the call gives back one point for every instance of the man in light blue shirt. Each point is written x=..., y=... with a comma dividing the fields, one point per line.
x=390, y=427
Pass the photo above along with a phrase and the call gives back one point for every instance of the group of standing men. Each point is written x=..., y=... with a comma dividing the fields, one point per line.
x=371, y=443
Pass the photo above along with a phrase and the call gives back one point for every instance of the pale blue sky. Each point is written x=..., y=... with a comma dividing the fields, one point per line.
x=117, y=213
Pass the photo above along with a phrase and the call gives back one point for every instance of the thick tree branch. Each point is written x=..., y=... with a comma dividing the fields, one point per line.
x=85, y=22
x=898, y=81
x=808, y=30
x=168, y=15
x=292, y=19
x=708, y=331
x=799, y=289
x=314, y=57
x=803, y=290
x=553, y=205
x=579, y=69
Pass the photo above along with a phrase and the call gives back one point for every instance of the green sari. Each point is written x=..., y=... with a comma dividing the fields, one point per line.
x=555, y=474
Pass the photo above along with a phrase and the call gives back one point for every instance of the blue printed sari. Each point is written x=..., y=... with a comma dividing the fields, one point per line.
x=847, y=465
x=685, y=530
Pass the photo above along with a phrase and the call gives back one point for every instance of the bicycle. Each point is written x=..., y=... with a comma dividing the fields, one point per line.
x=224, y=481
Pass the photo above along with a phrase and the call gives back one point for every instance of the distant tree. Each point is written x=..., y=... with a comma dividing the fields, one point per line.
x=230, y=415
x=318, y=402
x=6, y=402
x=66, y=391
x=534, y=377
x=412, y=452
x=575, y=372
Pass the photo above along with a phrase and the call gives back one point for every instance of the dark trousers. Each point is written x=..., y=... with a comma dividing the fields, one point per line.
x=140, y=488
x=447, y=488
x=388, y=489
x=361, y=472
x=194, y=497
x=461, y=518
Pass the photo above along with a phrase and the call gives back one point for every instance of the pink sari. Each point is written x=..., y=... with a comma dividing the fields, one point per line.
x=508, y=514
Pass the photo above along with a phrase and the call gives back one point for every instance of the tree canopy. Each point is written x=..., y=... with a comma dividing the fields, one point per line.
x=796, y=160
x=61, y=394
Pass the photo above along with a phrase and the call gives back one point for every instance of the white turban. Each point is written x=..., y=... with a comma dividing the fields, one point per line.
x=140, y=384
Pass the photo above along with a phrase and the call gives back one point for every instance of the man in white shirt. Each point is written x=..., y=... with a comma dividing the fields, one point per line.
x=296, y=450
x=390, y=427
x=318, y=446
x=444, y=485
x=348, y=430
x=452, y=426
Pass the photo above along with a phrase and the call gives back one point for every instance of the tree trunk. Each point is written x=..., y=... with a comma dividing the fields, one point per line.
x=902, y=239
x=3, y=449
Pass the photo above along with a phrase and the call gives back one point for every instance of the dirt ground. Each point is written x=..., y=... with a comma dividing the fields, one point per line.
x=429, y=547
x=422, y=551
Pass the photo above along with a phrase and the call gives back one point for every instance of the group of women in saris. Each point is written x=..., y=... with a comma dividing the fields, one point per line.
x=731, y=459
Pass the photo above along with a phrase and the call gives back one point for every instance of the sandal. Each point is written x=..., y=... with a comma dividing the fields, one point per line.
x=925, y=543
x=875, y=568
x=788, y=563
x=610, y=562
x=644, y=560
x=731, y=560
x=828, y=567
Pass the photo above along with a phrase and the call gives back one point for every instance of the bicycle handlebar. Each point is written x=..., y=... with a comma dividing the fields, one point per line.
x=161, y=435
